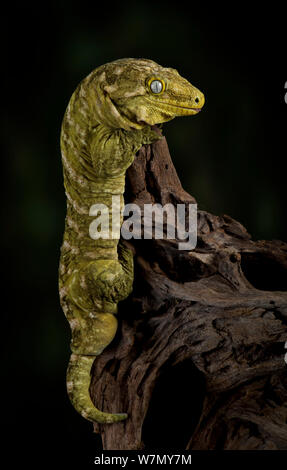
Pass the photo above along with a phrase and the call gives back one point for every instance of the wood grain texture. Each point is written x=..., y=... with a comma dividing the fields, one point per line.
x=202, y=335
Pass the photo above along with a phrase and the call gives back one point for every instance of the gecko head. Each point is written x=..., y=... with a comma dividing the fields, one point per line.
x=136, y=92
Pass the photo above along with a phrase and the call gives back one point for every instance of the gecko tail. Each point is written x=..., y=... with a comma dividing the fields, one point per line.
x=78, y=383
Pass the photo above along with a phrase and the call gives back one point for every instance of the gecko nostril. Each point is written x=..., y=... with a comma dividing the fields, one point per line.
x=196, y=100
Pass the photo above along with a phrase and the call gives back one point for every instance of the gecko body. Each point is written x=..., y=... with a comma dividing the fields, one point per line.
x=109, y=117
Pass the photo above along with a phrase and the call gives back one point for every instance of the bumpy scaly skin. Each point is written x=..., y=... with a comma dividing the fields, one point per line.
x=108, y=119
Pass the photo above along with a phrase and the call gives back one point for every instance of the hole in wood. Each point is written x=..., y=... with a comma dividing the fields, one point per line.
x=175, y=407
x=264, y=272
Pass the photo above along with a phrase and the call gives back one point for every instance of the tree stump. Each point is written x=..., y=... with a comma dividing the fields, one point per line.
x=198, y=360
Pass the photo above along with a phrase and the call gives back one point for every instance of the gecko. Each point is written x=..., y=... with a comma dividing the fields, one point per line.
x=109, y=117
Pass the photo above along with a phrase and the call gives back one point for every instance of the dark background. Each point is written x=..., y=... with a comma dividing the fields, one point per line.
x=231, y=158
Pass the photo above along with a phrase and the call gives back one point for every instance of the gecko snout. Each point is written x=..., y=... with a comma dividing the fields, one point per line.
x=199, y=100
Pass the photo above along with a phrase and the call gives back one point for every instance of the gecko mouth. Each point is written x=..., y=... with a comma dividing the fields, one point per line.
x=183, y=108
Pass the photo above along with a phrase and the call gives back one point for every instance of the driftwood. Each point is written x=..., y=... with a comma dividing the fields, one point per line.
x=198, y=360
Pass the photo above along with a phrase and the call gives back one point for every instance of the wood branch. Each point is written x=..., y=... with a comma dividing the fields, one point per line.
x=198, y=360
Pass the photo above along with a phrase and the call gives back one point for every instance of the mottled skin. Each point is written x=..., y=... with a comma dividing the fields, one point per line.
x=108, y=119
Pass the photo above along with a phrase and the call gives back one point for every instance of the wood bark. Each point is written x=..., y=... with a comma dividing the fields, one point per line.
x=198, y=360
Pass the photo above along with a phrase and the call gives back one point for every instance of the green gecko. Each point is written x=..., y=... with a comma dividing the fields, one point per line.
x=109, y=117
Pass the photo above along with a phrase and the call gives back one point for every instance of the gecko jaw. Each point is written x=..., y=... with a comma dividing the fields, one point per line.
x=179, y=109
x=188, y=108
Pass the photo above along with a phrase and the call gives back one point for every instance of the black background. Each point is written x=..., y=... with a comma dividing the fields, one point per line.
x=231, y=158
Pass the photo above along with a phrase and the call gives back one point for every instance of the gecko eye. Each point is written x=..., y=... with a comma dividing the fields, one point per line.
x=156, y=85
